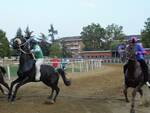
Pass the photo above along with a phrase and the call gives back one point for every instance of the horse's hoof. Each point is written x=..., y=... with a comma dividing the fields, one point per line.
x=50, y=102
x=13, y=99
x=12, y=102
x=132, y=111
x=8, y=98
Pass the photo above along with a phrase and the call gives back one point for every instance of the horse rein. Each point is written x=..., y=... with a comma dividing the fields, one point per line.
x=20, y=49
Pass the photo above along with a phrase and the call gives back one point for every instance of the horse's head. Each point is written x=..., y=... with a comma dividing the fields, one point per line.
x=130, y=52
x=21, y=43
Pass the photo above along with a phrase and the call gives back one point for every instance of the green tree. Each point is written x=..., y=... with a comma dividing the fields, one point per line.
x=19, y=33
x=146, y=34
x=52, y=32
x=93, y=37
x=45, y=46
x=28, y=33
x=65, y=52
x=55, y=50
x=4, y=45
x=114, y=35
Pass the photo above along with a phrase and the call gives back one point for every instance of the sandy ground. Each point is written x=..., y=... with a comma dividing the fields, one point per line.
x=99, y=91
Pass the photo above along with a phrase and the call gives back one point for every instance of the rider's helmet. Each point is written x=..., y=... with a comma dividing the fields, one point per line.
x=133, y=39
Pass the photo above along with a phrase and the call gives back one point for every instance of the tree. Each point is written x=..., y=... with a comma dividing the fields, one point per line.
x=93, y=37
x=65, y=52
x=4, y=45
x=55, y=50
x=19, y=33
x=113, y=33
x=28, y=33
x=145, y=34
x=52, y=32
x=45, y=46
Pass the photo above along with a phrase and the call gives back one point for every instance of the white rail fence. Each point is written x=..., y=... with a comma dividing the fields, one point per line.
x=72, y=66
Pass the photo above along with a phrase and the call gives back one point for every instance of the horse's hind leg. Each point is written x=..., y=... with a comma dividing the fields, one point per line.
x=51, y=95
x=140, y=92
x=54, y=88
x=57, y=92
x=125, y=93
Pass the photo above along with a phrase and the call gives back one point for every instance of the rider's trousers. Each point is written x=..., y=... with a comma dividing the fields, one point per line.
x=38, y=64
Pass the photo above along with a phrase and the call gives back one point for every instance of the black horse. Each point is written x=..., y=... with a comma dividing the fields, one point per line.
x=134, y=77
x=2, y=81
x=26, y=71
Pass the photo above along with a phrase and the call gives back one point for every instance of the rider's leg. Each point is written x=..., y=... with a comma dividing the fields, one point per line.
x=145, y=71
x=38, y=65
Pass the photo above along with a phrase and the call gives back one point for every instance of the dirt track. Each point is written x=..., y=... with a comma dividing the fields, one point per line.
x=95, y=92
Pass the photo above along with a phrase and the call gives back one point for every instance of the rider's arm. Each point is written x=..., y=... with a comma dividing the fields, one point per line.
x=36, y=48
x=140, y=49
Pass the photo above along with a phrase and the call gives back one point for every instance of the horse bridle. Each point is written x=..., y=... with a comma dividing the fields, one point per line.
x=23, y=44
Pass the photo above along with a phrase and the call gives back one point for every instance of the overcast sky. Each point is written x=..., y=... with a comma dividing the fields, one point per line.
x=69, y=16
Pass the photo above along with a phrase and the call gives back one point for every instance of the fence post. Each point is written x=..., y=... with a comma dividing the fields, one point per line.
x=72, y=66
x=80, y=66
x=87, y=66
x=8, y=72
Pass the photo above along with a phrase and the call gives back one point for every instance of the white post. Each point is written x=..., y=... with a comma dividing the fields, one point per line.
x=80, y=65
x=72, y=67
x=100, y=63
x=8, y=72
x=87, y=66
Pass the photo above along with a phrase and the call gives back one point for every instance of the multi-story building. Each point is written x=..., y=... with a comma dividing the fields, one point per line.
x=73, y=44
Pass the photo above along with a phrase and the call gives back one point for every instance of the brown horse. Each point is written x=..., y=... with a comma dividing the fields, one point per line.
x=2, y=73
x=134, y=77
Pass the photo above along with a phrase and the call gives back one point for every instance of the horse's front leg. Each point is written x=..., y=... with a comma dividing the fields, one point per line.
x=24, y=81
x=125, y=91
x=133, y=101
x=11, y=87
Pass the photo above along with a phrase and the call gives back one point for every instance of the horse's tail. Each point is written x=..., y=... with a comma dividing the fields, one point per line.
x=67, y=82
x=3, y=70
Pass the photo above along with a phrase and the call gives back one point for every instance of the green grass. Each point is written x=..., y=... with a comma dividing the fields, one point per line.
x=13, y=70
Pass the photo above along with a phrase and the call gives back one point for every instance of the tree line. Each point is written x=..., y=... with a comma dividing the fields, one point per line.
x=94, y=37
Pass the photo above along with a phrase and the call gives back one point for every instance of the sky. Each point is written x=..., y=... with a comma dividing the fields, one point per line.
x=70, y=16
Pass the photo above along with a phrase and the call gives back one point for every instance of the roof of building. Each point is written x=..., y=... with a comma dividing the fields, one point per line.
x=71, y=38
x=127, y=37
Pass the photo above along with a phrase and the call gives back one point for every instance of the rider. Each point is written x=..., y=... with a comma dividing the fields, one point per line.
x=139, y=51
x=38, y=56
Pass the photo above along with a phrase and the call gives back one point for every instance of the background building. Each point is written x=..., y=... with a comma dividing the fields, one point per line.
x=73, y=44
